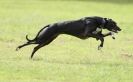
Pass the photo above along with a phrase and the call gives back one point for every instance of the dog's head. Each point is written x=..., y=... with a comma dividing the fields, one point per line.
x=111, y=26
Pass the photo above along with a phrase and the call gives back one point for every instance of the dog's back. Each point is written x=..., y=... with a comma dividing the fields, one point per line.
x=70, y=27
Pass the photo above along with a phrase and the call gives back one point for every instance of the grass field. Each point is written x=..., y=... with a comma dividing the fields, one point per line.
x=66, y=59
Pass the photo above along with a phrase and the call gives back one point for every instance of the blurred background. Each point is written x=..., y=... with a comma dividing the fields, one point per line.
x=66, y=59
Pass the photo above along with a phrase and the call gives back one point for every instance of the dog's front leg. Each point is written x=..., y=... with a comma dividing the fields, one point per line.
x=109, y=34
x=102, y=42
x=98, y=37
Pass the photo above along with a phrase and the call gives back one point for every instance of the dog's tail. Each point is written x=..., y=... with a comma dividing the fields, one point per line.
x=29, y=39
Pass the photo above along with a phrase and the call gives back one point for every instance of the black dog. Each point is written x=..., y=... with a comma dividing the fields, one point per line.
x=82, y=28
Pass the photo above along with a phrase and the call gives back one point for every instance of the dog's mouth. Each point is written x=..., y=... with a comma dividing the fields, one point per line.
x=113, y=30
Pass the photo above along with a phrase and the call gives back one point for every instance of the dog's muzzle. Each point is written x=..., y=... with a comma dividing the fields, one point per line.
x=116, y=31
x=113, y=30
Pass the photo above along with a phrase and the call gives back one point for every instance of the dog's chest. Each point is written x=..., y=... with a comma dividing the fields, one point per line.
x=97, y=30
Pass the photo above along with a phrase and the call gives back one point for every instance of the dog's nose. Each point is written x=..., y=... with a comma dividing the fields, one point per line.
x=119, y=29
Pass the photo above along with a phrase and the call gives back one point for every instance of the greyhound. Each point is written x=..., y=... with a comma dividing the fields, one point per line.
x=82, y=28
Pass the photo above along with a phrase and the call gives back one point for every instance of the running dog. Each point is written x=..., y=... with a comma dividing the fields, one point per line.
x=82, y=28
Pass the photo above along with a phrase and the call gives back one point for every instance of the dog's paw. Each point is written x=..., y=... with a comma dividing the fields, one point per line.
x=112, y=34
x=17, y=48
x=113, y=37
x=97, y=39
x=99, y=47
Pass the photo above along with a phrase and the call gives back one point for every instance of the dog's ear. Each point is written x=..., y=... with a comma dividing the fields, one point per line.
x=107, y=19
x=110, y=19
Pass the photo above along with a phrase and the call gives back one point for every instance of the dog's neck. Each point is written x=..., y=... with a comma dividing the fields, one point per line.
x=104, y=22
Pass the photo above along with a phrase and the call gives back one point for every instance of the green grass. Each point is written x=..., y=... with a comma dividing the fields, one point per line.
x=66, y=59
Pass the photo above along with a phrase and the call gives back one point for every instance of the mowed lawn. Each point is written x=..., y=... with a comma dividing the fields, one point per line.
x=66, y=59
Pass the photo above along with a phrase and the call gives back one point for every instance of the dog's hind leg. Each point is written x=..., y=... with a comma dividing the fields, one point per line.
x=35, y=49
x=19, y=47
x=27, y=43
x=43, y=44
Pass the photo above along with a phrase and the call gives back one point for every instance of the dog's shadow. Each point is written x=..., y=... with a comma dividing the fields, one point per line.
x=86, y=63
